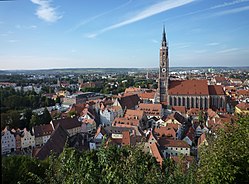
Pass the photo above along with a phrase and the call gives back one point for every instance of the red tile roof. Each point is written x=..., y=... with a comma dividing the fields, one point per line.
x=146, y=95
x=193, y=111
x=165, y=131
x=43, y=130
x=216, y=90
x=211, y=113
x=68, y=123
x=243, y=106
x=126, y=140
x=220, y=79
x=201, y=139
x=134, y=114
x=133, y=122
x=167, y=142
x=151, y=109
x=191, y=133
x=172, y=125
x=243, y=92
x=188, y=87
x=132, y=90
x=156, y=153
x=181, y=109
x=55, y=143
x=129, y=101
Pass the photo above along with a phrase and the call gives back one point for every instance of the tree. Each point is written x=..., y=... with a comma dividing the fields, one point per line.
x=72, y=113
x=46, y=117
x=23, y=169
x=15, y=121
x=27, y=115
x=5, y=119
x=225, y=159
x=35, y=120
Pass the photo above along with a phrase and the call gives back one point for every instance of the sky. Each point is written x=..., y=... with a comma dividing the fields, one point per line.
x=48, y=34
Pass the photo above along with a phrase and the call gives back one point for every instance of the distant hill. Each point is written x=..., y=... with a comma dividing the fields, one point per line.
x=114, y=70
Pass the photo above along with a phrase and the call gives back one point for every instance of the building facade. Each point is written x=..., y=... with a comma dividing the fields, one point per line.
x=188, y=93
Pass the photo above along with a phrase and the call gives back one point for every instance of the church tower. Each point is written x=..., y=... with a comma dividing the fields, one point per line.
x=164, y=71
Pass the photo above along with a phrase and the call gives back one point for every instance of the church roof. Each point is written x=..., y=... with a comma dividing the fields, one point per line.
x=188, y=87
x=215, y=90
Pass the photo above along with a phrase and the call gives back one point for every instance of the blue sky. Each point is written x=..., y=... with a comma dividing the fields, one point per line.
x=41, y=34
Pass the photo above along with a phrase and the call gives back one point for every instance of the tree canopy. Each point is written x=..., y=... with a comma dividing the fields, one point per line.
x=226, y=158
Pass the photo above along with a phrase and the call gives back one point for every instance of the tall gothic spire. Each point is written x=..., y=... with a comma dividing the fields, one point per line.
x=164, y=42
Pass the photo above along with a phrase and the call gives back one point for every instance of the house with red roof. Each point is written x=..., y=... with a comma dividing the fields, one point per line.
x=72, y=125
x=127, y=101
x=55, y=143
x=152, y=110
x=148, y=97
x=42, y=133
x=173, y=147
x=155, y=152
x=180, y=109
x=165, y=131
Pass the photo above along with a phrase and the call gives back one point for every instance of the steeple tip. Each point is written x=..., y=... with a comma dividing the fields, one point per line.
x=164, y=42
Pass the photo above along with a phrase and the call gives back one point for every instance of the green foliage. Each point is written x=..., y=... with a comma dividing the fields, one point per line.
x=35, y=120
x=226, y=159
x=23, y=169
x=107, y=165
x=45, y=117
x=72, y=113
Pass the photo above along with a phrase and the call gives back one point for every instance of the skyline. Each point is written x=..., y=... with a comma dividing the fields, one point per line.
x=44, y=34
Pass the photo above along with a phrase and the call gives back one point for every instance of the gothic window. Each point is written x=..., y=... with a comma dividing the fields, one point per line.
x=201, y=103
x=174, y=101
x=206, y=103
x=183, y=101
x=179, y=101
x=188, y=104
x=221, y=102
x=197, y=103
x=192, y=102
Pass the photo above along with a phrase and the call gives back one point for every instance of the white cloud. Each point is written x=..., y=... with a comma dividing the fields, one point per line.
x=13, y=41
x=45, y=11
x=99, y=15
x=225, y=4
x=228, y=50
x=18, y=26
x=213, y=44
x=232, y=11
x=148, y=12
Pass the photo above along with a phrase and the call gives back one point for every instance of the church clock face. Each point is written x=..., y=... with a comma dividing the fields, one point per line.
x=163, y=70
